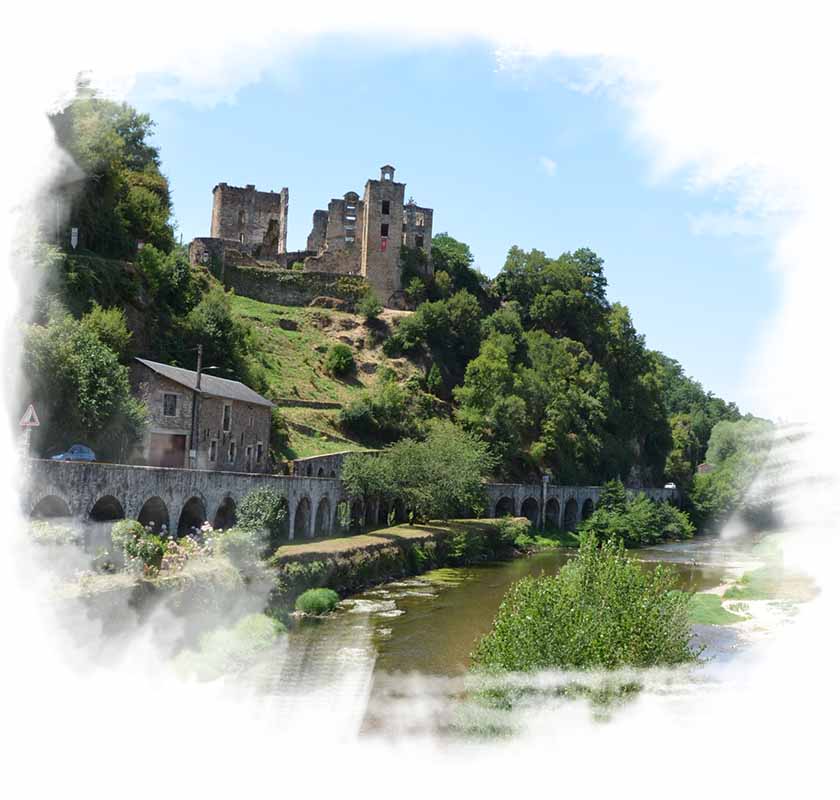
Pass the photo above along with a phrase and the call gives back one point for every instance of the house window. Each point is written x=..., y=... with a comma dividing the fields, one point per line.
x=386, y=207
x=226, y=418
x=213, y=448
x=418, y=242
x=248, y=451
x=231, y=452
x=383, y=231
x=170, y=405
x=259, y=452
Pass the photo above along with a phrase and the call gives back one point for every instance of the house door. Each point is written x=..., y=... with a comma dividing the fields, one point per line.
x=167, y=449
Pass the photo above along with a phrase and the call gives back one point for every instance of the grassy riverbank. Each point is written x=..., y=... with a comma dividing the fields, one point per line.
x=351, y=563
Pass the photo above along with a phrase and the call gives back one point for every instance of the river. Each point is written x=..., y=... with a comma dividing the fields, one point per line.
x=421, y=630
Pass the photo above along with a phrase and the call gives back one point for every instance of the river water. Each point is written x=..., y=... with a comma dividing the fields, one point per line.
x=419, y=632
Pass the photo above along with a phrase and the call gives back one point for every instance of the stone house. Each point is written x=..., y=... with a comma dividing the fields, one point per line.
x=233, y=426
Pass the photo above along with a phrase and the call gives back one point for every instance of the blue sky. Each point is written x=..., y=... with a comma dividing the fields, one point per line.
x=504, y=157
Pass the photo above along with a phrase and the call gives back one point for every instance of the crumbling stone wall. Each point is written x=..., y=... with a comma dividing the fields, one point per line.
x=292, y=287
x=417, y=230
x=244, y=215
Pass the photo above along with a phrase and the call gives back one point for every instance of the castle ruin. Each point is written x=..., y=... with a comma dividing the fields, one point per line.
x=356, y=235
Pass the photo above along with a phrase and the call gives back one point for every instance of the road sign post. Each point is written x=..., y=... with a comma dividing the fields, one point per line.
x=27, y=422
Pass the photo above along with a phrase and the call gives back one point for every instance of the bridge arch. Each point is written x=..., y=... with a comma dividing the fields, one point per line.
x=225, y=514
x=154, y=514
x=105, y=509
x=357, y=518
x=323, y=518
x=504, y=507
x=303, y=512
x=399, y=511
x=570, y=514
x=531, y=510
x=370, y=513
x=587, y=509
x=50, y=505
x=552, y=513
x=193, y=515
x=384, y=510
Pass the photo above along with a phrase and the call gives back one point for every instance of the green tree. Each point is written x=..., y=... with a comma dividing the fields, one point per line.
x=109, y=326
x=124, y=199
x=80, y=389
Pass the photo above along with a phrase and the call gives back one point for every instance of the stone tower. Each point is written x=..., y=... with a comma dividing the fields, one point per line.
x=256, y=219
x=381, y=233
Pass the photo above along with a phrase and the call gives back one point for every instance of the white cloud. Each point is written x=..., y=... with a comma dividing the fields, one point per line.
x=548, y=165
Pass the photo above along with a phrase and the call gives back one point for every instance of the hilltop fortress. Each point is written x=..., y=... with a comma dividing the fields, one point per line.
x=356, y=239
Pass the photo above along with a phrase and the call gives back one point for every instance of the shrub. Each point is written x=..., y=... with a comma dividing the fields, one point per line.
x=601, y=610
x=263, y=510
x=241, y=545
x=317, y=601
x=339, y=360
x=227, y=650
x=140, y=545
x=369, y=307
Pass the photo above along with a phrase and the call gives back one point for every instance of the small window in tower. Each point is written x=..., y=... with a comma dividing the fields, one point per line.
x=349, y=239
x=383, y=232
x=420, y=220
x=386, y=207
x=242, y=238
x=418, y=242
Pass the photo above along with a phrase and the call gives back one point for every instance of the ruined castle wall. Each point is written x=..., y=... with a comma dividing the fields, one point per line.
x=318, y=237
x=382, y=237
x=292, y=287
x=254, y=218
x=417, y=230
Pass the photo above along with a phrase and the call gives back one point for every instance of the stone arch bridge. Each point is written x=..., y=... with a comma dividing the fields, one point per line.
x=546, y=505
x=181, y=499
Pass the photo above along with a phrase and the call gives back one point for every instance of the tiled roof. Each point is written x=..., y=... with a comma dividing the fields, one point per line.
x=210, y=384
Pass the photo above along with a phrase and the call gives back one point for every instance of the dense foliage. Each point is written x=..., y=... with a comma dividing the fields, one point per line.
x=600, y=611
x=123, y=198
x=78, y=385
x=263, y=510
x=437, y=477
x=635, y=520
x=736, y=453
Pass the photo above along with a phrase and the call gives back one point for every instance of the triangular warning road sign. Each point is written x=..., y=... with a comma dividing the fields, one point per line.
x=30, y=418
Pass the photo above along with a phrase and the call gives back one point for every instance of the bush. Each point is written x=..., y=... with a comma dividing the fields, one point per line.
x=227, y=650
x=601, y=610
x=339, y=360
x=635, y=521
x=139, y=545
x=369, y=307
x=241, y=545
x=263, y=510
x=317, y=601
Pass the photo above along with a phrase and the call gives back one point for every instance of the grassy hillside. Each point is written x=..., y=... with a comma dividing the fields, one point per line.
x=293, y=343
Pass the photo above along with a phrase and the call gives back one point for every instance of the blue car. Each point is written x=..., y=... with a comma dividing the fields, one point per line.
x=78, y=452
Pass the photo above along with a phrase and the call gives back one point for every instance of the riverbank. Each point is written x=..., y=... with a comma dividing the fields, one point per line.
x=352, y=563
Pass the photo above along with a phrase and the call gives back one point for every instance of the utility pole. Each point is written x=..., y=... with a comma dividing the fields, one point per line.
x=195, y=405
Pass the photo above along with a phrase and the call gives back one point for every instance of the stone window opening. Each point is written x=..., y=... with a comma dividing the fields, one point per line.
x=420, y=220
x=349, y=239
x=226, y=410
x=383, y=231
x=213, y=449
x=386, y=207
x=170, y=405
x=231, y=454
x=241, y=238
x=259, y=452
x=418, y=241
x=248, y=452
